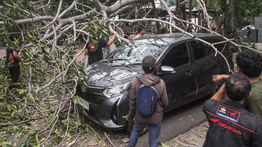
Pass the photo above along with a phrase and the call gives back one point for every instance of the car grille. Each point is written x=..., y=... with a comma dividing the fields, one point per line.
x=95, y=99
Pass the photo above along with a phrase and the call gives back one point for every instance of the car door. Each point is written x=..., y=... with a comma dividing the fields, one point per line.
x=179, y=80
x=204, y=64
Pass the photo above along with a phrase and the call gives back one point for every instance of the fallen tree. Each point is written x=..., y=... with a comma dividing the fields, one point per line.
x=43, y=105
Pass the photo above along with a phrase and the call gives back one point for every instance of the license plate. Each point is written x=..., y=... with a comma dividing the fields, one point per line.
x=83, y=103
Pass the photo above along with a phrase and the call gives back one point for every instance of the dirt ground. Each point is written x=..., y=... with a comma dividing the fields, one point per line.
x=193, y=138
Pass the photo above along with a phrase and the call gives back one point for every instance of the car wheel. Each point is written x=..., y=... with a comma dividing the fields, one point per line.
x=131, y=125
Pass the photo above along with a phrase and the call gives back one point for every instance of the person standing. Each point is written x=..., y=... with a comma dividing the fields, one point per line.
x=250, y=64
x=230, y=125
x=141, y=32
x=13, y=64
x=94, y=50
x=213, y=28
x=154, y=121
x=249, y=34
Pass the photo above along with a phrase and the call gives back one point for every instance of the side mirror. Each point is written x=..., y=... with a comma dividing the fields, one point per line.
x=168, y=69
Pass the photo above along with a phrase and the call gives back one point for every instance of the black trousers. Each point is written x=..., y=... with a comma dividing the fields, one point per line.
x=15, y=72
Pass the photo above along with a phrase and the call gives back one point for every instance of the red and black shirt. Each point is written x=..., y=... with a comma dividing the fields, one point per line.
x=230, y=125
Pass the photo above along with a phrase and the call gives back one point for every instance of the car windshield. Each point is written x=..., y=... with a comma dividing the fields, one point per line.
x=133, y=55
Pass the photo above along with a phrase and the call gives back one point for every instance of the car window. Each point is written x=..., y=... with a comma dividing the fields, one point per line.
x=221, y=47
x=177, y=56
x=200, y=50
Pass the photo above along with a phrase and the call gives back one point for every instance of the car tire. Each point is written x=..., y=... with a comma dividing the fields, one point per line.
x=131, y=124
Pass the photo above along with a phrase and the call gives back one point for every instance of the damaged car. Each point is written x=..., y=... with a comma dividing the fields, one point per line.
x=186, y=66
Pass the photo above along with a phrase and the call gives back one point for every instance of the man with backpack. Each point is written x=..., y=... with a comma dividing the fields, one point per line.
x=148, y=98
x=13, y=64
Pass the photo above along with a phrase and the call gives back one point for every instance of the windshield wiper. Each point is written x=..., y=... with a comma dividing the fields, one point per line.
x=106, y=60
x=155, y=45
x=131, y=64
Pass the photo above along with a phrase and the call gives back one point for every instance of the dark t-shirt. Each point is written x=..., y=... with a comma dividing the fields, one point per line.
x=15, y=63
x=95, y=51
x=230, y=125
x=248, y=33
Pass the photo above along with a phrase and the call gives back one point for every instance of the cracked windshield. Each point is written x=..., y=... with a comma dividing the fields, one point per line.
x=127, y=55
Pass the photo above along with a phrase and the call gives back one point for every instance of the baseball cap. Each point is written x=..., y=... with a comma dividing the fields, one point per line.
x=149, y=62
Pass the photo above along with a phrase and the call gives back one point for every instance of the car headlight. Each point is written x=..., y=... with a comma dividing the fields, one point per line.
x=116, y=90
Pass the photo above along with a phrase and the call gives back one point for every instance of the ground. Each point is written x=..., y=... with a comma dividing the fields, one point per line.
x=193, y=138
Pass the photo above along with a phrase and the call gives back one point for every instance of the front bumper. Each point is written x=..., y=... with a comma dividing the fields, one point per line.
x=106, y=112
x=105, y=123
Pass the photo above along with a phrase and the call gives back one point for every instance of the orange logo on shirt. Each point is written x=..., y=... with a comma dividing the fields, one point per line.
x=92, y=47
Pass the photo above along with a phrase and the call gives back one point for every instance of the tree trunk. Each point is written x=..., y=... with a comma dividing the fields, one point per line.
x=156, y=16
x=190, y=10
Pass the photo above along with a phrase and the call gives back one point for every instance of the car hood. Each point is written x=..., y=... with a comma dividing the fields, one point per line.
x=106, y=75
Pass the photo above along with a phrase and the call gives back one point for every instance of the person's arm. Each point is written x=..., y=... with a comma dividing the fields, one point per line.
x=218, y=78
x=132, y=101
x=17, y=57
x=111, y=40
x=86, y=52
x=219, y=95
x=256, y=140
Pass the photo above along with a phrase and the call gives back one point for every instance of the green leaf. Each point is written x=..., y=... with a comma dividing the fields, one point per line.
x=104, y=144
x=8, y=108
x=163, y=144
x=105, y=32
x=125, y=140
x=21, y=91
x=87, y=129
x=42, y=44
x=6, y=143
x=19, y=135
x=8, y=4
x=44, y=51
x=74, y=99
x=31, y=133
x=36, y=138
x=2, y=32
x=97, y=25
x=29, y=35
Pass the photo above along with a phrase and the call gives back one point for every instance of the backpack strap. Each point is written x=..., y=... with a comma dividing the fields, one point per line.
x=140, y=81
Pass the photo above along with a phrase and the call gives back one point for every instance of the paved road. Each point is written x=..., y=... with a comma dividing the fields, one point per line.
x=178, y=121
x=175, y=122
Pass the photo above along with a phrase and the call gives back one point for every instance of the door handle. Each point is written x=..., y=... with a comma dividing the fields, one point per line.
x=189, y=73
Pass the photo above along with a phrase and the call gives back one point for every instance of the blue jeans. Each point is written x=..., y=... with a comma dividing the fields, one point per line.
x=249, y=40
x=154, y=134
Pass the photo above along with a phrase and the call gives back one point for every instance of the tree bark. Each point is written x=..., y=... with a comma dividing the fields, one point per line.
x=156, y=16
x=190, y=10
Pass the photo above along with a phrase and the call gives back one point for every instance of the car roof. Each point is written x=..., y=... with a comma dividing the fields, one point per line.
x=165, y=39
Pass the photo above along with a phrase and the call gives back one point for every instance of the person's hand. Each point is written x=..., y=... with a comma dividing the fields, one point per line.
x=115, y=33
x=21, y=59
x=223, y=88
x=218, y=78
x=127, y=118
